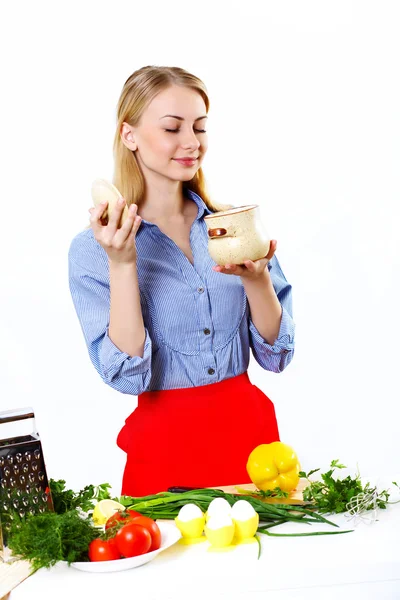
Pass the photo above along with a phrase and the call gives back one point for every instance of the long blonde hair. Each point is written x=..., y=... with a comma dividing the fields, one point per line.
x=138, y=91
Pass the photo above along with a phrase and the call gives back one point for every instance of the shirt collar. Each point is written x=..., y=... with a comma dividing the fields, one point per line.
x=203, y=208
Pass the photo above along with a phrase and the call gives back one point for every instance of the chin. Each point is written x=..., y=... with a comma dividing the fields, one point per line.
x=187, y=176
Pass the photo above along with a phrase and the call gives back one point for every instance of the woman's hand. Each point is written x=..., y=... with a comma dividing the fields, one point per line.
x=249, y=269
x=119, y=244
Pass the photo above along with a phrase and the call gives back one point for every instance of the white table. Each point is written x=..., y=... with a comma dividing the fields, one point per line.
x=363, y=565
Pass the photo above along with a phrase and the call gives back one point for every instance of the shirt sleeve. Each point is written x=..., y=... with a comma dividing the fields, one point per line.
x=90, y=293
x=277, y=356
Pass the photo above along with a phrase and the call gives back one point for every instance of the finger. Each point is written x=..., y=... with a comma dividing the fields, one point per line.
x=250, y=266
x=115, y=217
x=125, y=231
x=227, y=269
x=272, y=249
x=95, y=216
x=136, y=224
x=261, y=264
x=232, y=268
x=103, y=220
x=99, y=210
x=135, y=227
x=220, y=269
x=136, y=220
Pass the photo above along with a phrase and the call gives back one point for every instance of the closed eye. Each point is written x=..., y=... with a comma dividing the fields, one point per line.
x=176, y=130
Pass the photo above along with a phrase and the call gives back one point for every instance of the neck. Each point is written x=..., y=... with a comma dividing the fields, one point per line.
x=163, y=202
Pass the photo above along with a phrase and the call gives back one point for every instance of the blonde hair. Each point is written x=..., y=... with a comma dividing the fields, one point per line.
x=137, y=93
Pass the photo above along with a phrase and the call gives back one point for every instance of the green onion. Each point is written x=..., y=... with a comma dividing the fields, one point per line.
x=262, y=530
x=259, y=546
x=166, y=505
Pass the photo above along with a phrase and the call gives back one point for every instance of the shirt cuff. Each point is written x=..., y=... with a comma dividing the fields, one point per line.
x=114, y=360
x=285, y=340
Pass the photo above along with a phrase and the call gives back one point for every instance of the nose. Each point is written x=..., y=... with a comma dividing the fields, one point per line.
x=189, y=140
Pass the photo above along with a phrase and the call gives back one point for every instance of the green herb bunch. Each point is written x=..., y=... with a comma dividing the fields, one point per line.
x=64, y=534
x=47, y=538
x=332, y=495
x=65, y=500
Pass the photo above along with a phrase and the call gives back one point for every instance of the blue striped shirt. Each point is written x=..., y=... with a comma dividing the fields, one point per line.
x=197, y=321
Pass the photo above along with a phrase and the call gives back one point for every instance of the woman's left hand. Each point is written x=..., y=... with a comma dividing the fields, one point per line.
x=249, y=269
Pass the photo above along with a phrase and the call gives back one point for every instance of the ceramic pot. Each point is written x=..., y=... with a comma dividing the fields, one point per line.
x=236, y=235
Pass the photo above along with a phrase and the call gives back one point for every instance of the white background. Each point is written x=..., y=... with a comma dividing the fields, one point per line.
x=304, y=120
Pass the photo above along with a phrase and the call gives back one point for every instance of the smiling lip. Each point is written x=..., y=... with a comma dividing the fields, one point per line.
x=186, y=161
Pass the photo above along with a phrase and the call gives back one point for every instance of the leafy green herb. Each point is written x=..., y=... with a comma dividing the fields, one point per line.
x=275, y=493
x=49, y=537
x=65, y=500
x=332, y=495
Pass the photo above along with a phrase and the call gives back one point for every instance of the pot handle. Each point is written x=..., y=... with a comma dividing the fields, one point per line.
x=216, y=232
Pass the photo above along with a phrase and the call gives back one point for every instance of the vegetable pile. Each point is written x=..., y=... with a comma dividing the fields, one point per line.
x=166, y=505
x=70, y=534
x=127, y=534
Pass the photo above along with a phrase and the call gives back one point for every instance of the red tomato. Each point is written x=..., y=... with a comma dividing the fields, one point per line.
x=133, y=540
x=152, y=528
x=103, y=550
x=113, y=544
x=121, y=516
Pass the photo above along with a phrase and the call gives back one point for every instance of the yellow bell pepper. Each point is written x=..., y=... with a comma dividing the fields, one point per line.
x=274, y=465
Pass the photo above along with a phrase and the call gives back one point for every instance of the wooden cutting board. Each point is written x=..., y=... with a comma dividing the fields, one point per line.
x=295, y=497
x=12, y=574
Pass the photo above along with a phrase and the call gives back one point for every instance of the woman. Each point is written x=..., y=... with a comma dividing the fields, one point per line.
x=161, y=320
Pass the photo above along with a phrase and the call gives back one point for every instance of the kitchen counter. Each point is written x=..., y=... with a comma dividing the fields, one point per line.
x=362, y=564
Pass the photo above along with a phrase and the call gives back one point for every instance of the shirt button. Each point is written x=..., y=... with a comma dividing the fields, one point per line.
x=207, y=331
x=200, y=290
x=211, y=371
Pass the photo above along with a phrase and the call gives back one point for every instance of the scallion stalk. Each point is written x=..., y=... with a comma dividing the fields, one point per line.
x=166, y=505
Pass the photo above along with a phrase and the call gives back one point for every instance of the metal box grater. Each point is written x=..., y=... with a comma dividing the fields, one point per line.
x=24, y=485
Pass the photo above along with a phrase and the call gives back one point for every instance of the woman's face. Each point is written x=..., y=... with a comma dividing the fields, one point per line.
x=159, y=141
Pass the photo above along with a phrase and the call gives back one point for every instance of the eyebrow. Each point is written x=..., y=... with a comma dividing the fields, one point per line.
x=182, y=119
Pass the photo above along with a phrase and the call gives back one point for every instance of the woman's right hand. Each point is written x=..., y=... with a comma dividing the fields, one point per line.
x=119, y=244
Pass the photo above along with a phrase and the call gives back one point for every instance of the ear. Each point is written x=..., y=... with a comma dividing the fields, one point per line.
x=128, y=136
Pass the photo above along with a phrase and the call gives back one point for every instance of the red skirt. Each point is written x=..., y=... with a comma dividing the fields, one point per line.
x=197, y=437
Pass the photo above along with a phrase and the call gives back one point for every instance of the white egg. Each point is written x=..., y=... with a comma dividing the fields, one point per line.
x=218, y=506
x=242, y=510
x=217, y=521
x=189, y=512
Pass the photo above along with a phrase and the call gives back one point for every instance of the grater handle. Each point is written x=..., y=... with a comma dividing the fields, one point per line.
x=17, y=414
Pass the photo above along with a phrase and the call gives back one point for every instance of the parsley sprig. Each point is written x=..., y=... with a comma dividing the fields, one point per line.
x=65, y=500
x=275, y=493
x=332, y=495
